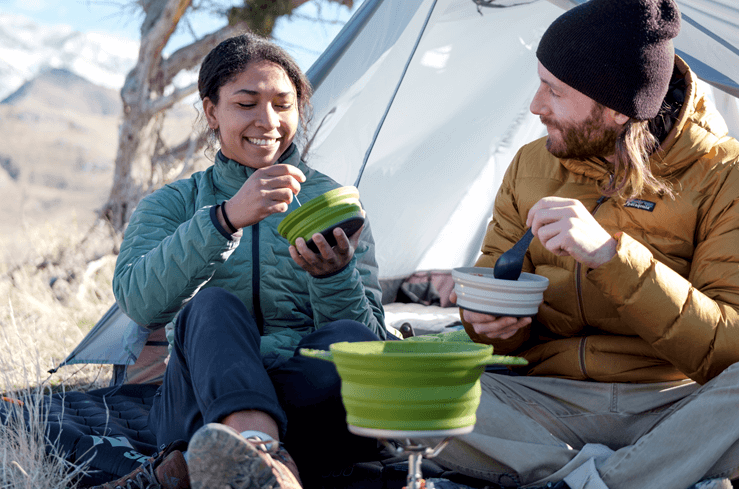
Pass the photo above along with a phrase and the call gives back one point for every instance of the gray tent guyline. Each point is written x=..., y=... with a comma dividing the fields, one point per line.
x=422, y=105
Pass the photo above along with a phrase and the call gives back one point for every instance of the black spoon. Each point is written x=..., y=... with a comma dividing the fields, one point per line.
x=509, y=264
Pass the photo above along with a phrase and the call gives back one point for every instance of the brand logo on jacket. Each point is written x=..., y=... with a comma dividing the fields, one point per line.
x=644, y=205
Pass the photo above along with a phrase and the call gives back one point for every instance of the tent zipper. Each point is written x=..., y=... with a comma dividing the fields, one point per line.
x=578, y=268
x=580, y=301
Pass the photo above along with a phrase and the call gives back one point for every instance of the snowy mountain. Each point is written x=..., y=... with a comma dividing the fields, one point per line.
x=28, y=48
x=62, y=89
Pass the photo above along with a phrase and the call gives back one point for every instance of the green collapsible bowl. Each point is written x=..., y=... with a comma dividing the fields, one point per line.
x=410, y=386
x=339, y=207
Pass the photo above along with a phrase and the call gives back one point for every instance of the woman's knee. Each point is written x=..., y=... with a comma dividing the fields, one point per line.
x=213, y=300
x=349, y=330
x=214, y=311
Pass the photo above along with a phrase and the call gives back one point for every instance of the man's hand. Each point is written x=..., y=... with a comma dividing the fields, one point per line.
x=328, y=260
x=566, y=228
x=492, y=327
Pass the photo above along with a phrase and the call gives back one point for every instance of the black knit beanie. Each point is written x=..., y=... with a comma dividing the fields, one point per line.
x=617, y=52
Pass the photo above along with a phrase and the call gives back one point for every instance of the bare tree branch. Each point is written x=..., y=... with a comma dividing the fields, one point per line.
x=191, y=55
x=183, y=151
x=167, y=101
x=160, y=30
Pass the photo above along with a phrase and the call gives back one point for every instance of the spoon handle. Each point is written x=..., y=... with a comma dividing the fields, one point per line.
x=525, y=240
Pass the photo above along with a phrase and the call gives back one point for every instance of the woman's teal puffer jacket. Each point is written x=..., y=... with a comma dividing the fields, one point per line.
x=172, y=248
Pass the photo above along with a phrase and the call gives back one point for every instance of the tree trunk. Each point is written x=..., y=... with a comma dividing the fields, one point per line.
x=133, y=170
x=139, y=152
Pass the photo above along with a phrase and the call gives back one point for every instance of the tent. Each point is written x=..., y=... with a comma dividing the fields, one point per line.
x=422, y=104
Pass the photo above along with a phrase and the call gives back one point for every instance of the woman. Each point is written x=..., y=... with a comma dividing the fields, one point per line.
x=210, y=244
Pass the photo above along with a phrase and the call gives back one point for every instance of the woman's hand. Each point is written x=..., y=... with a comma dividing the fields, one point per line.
x=328, y=260
x=566, y=228
x=492, y=327
x=267, y=191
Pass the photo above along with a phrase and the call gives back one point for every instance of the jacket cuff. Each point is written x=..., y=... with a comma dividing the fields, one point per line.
x=619, y=277
x=217, y=224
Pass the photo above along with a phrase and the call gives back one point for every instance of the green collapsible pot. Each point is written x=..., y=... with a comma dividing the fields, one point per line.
x=414, y=386
x=339, y=207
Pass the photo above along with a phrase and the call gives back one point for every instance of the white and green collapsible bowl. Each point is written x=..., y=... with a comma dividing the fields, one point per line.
x=478, y=290
x=410, y=386
x=339, y=207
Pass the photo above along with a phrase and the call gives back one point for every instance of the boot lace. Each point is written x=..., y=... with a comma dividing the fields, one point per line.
x=144, y=479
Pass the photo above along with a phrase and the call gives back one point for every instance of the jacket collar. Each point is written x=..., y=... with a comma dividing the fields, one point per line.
x=229, y=175
x=697, y=130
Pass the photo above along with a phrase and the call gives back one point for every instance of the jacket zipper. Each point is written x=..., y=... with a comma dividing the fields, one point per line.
x=581, y=356
x=580, y=301
x=255, y=278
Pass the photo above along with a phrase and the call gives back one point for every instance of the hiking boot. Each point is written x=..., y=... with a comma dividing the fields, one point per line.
x=166, y=469
x=219, y=457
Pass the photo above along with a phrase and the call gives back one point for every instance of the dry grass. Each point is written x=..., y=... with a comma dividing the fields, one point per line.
x=25, y=463
x=56, y=170
x=48, y=301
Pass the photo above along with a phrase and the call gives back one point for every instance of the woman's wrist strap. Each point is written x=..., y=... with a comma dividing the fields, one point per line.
x=231, y=228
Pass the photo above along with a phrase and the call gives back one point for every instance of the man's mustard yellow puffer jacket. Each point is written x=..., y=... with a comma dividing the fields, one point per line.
x=666, y=307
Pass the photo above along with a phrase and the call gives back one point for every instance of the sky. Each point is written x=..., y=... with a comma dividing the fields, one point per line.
x=303, y=38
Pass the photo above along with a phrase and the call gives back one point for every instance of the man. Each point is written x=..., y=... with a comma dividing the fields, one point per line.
x=634, y=199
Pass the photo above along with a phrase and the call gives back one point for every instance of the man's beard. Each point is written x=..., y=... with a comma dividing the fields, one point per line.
x=588, y=139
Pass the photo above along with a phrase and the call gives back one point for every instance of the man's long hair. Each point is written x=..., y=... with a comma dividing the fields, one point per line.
x=632, y=172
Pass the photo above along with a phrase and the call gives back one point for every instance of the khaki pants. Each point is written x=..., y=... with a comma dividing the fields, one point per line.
x=534, y=430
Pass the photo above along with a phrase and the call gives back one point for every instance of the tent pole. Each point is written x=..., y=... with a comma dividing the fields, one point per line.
x=395, y=92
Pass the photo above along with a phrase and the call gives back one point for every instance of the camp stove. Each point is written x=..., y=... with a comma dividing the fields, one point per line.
x=411, y=390
x=413, y=450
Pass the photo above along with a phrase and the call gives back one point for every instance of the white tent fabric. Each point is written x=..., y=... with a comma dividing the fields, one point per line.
x=422, y=104
x=426, y=106
x=459, y=115
x=709, y=41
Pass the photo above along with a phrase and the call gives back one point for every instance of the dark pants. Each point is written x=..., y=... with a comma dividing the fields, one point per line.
x=216, y=369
